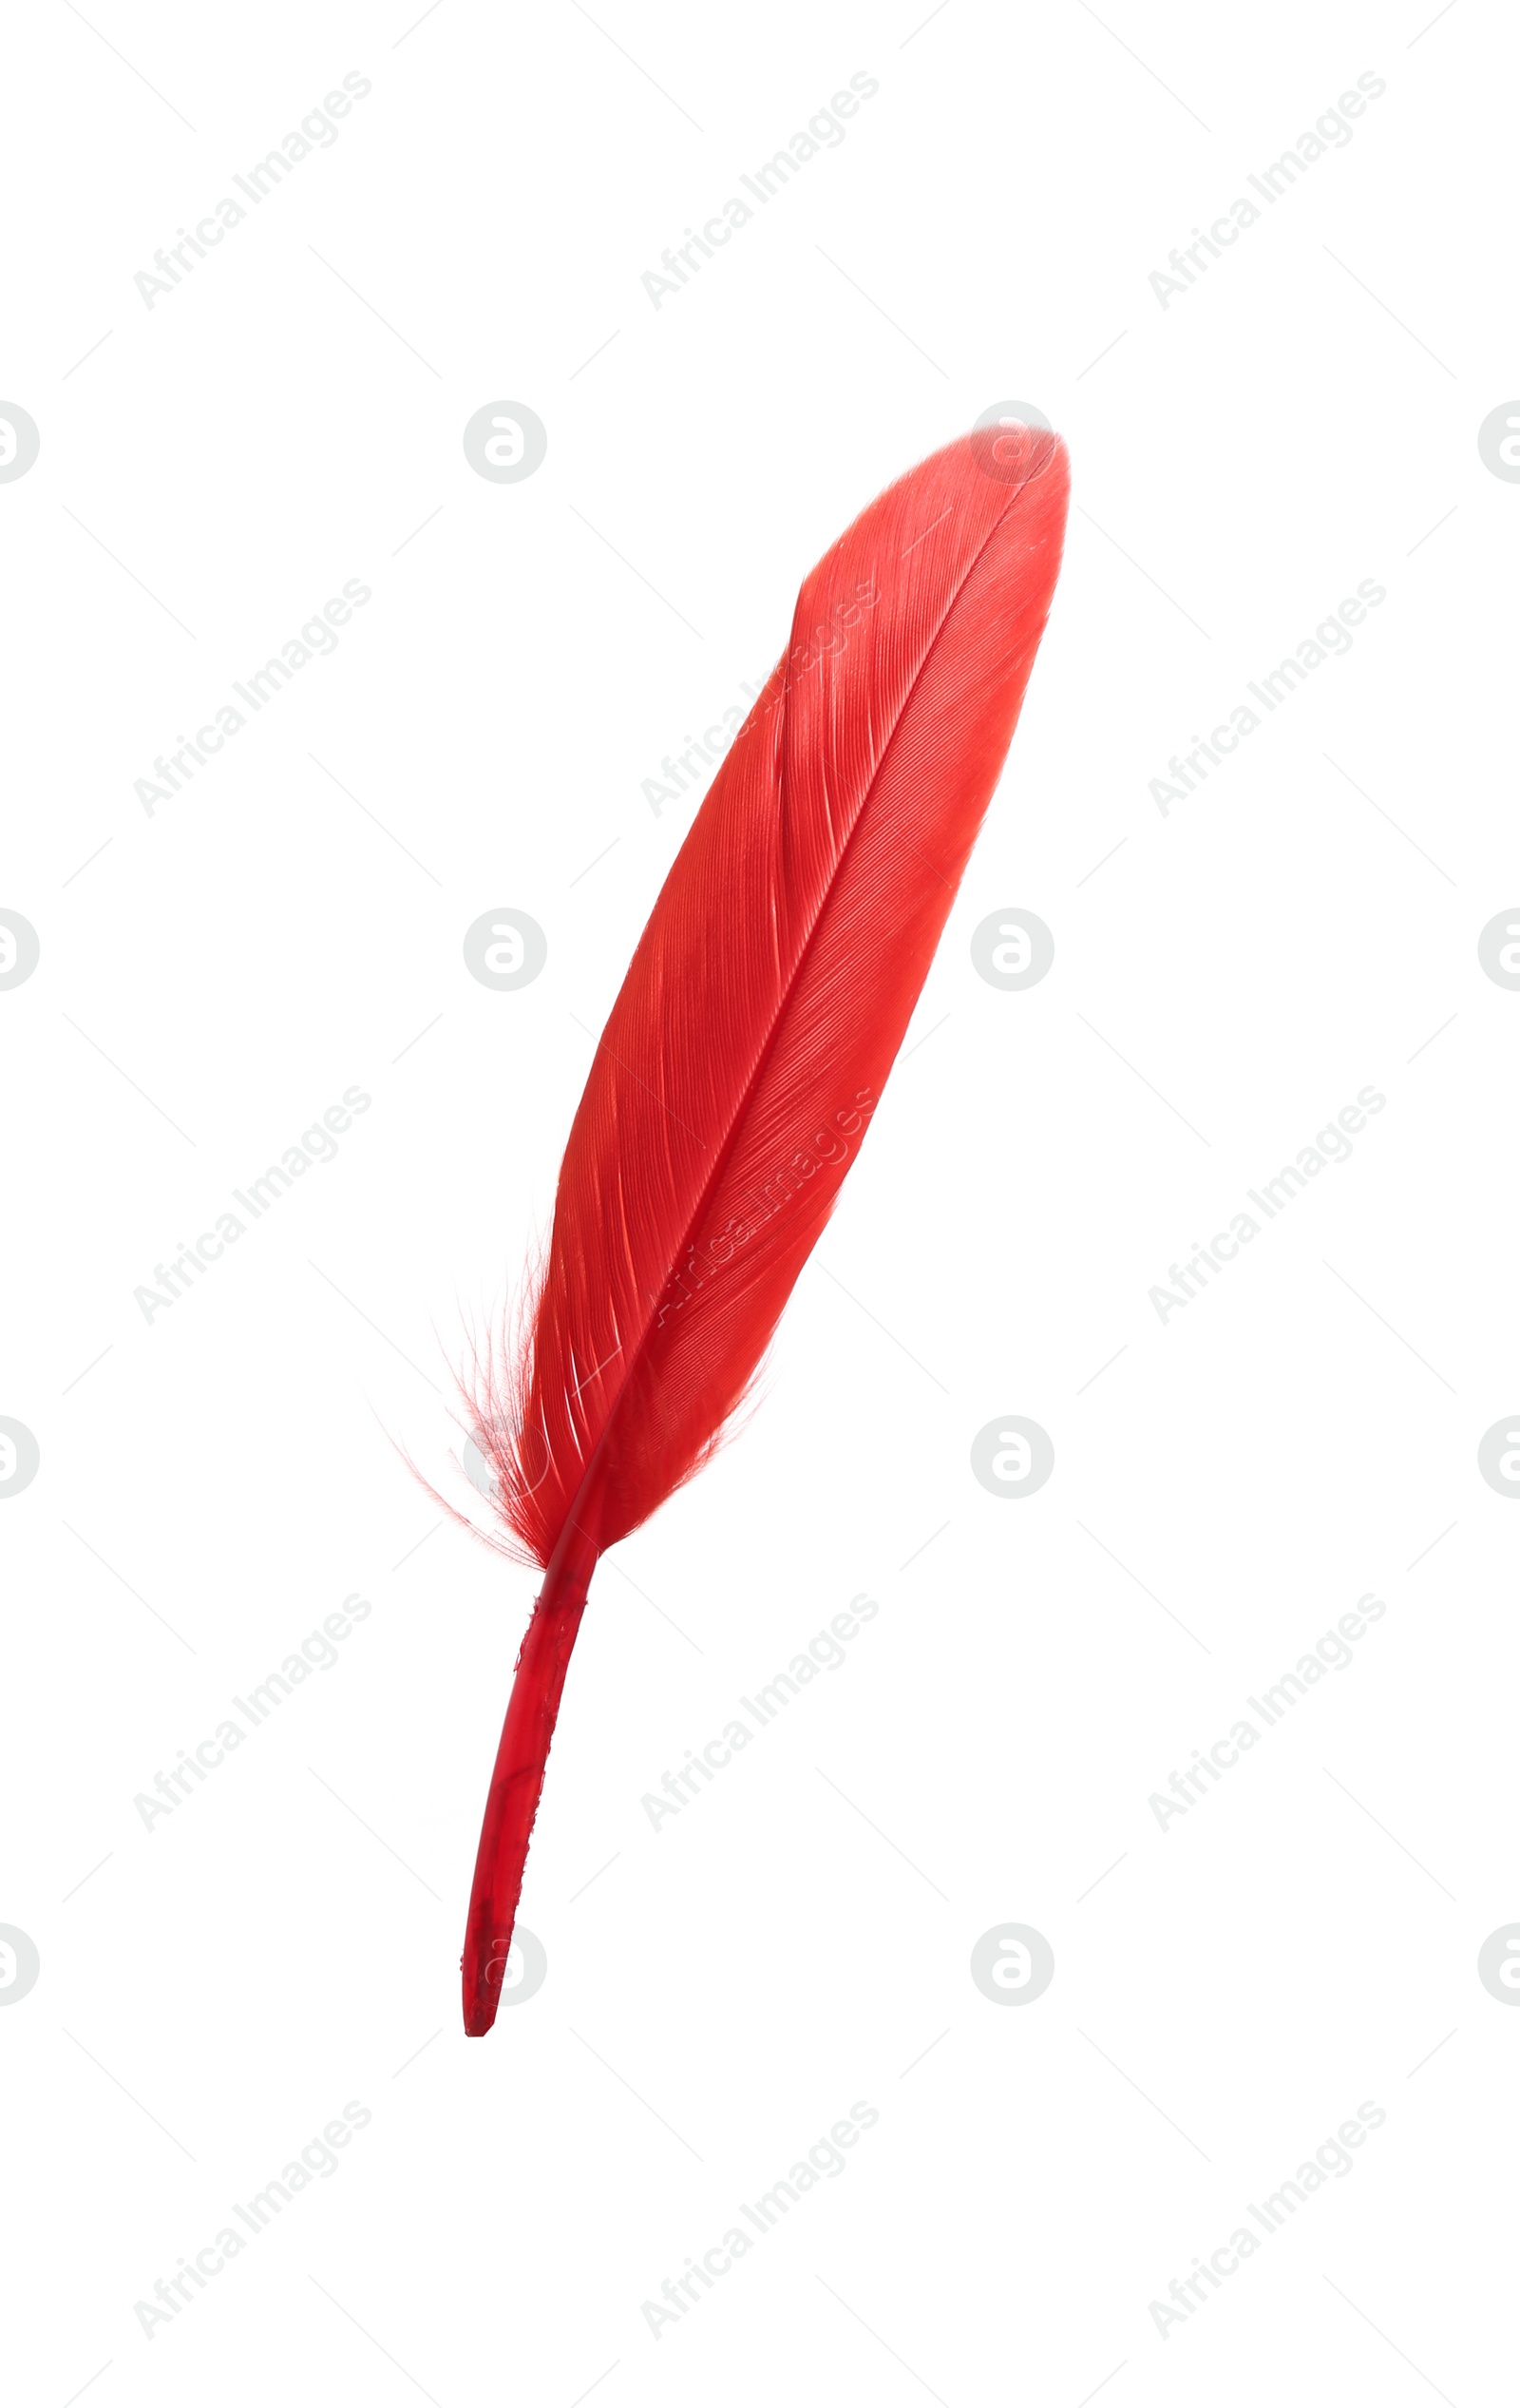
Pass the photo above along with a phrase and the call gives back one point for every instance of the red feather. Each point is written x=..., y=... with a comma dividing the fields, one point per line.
x=749, y=1045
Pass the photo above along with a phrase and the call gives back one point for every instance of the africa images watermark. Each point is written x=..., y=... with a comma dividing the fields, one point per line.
x=318, y=636
x=807, y=653
x=317, y=1652
x=176, y=261
x=316, y=1144
x=1187, y=772
x=1330, y=1654
x=317, y=2161
x=1331, y=1144
x=826, y=1147
x=825, y=2161
x=677, y=774
x=824, y=1653
x=1332, y=2158
x=824, y=132
x=1331, y=131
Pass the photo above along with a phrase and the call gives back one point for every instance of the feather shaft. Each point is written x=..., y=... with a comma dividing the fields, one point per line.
x=517, y=1783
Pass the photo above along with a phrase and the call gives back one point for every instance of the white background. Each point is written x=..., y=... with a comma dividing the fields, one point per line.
x=1227, y=1990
